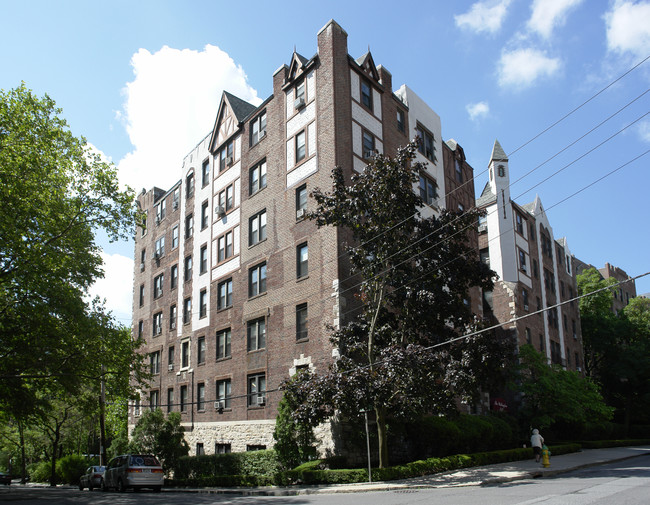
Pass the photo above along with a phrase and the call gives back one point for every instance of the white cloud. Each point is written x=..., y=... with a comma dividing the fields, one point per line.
x=628, y=28
x=520, y=68
x=477, y=111
x=644, y=131
x=170, y=106
x=549, y=14
x=116, y=287
x=486, y=16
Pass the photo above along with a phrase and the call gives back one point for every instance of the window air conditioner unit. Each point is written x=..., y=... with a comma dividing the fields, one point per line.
x=172, y=326
x=142, y=267
x=368, y=154
x=229, y=161
x=157, y=220
x=157, y=255
x=300, y=213
x=261, y=400
x=219, y=405
x=482, y=228
x=263, y=134
x=220, y=210
x=299, y=103
x=175, y=204
x=170, y=367
x=579, y=368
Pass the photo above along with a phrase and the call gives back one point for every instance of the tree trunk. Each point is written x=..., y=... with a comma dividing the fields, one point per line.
x=23, y=465
x=382, y=436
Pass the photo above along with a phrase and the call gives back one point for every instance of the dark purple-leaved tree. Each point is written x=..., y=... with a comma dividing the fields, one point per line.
x=412, y=279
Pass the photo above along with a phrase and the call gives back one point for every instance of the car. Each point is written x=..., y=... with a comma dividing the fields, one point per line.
x=5, y=478
x=135, y=471
x=92, y=478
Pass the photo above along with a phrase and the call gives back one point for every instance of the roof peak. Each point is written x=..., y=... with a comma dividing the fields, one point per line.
x=498, y=154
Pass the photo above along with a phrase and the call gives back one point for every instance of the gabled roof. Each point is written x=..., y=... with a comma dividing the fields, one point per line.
x=240, y=108
x=498, y=154
x=298, y=62
x=367, y=64
x=487, y=197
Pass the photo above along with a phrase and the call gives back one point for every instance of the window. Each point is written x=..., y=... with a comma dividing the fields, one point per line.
x=225, y=246
x=200, y=451
x=301, y=321
x=546, y=245
x=301, y=98
x=258, y=128
x=185, y=354
x=143, y=256
x=158, y=282
x=203, y=304
x=170, y=357
x=535, y=269
x=205, y=173
x=302, y=260
x=366, y=93
x=176, y=197
x=224, y=393
x=187, y=270
x=425, y=143
x=574, y=329
x=203, y=259
x=560, y=256
x=141, y=295
x=459, y=170
x=154, y=400
x=257, y=177
x=529, y=338
x=183, y=398
x=256, y=334
x=174, y=237
x=143, y=224
x=222, y=448
x=524, y=295
x=400, y=120
x=257, y=280
x=257, y=228
x=187, y=310
x=549, y=280
x=204, y=215
x=428, y=190
x=159, y=248
x=568, y=264
x=170, y=400
x=484, y=255
x=154, y=362
x=200, y=398
x=255, y=447
x=140, y=329
x=157, y=323
x=522, y=261
x=532, y=232
x=136, y=407
x=368, y=144
x=501, y=171
x=226, y=200
x=161, y=210
x=224, y=299
x=223, y=343
x=301, y=150
x=519, y=223
x=189, y=225
x=189, y=185
x=301, y=201
x=172, y=317
x=256, y=390
x=174, y=277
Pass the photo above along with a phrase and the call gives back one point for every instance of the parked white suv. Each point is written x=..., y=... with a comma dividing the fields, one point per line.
x=134, y=471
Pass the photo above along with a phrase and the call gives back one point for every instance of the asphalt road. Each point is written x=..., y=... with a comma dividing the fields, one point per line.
x=626, y=482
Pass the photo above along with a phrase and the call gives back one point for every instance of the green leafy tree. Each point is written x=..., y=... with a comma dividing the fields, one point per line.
x=414, y=274
x=56, y=193
x=160, y=436
x=554, y=395
x=295, y=442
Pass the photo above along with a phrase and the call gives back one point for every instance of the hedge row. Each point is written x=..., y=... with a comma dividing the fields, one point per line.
x=308, y=475
x=603, y=444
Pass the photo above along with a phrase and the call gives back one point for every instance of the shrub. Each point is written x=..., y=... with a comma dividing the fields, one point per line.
x=40, y=472
x=70, y=468
x=236, y=463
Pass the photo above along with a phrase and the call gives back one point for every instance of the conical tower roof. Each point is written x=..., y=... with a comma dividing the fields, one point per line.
x=498, y=154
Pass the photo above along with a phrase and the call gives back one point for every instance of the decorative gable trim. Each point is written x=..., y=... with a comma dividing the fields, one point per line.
x=367, y=66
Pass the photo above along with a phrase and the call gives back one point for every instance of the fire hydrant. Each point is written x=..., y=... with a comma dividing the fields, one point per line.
x=546, y=457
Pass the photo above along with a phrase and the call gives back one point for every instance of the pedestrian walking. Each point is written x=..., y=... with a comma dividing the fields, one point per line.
x=537, y=441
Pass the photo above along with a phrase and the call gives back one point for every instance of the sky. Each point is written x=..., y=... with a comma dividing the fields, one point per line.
x=560, y=84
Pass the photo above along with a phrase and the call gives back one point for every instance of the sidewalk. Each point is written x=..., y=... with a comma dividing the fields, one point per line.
x=478, y=476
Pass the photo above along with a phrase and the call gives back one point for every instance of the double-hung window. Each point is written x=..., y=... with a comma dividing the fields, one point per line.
x=426, y=143
x=302, y=260
x=258, y=128
x=256, y=334
x=189, y=225
x=225, y=246
x=188, y=268
x=257, y=228
x=224, y=294
x=224, y=392
x=187, y=310
x=189, y=185
x=205, y=173
x=366, y=94
x=428, y=191
x=185, y=354
x=223, y=343
x=203, y=259
x=157, y=323
x=172, y=317
x=301, y=146
x=200, y=405
x=205, y=220
x=368, y=144
x=158, y=283
x=200, y=350
x=174, y=276
x=256, y=390
x=154, y=362
x=175, y=237
x=226, y=199
x=301, y=321
x=203, y=303
x=257, y=178
x=257, y=280
x=159, y=248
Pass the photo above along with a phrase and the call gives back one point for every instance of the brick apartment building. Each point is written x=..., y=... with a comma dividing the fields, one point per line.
x=535, y=270
x=233, y=289
x=622, y=294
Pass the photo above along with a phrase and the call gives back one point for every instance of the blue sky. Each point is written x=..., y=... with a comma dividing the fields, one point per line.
x=141, y=81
